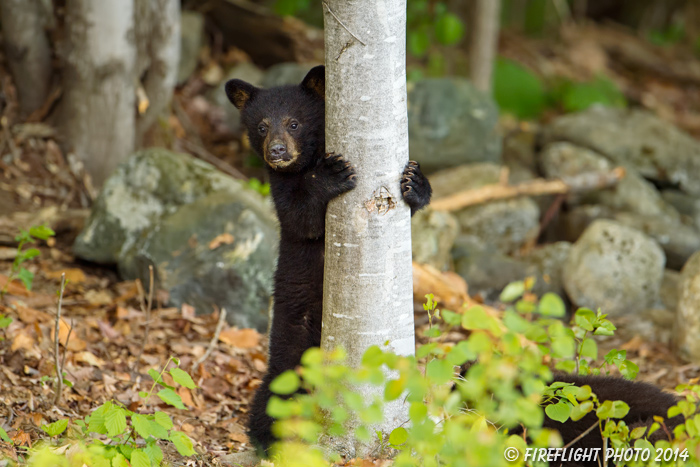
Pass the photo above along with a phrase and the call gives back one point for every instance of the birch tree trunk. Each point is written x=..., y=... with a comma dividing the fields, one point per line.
x=27, y=50
x=158, y=45
x=98, y=110
x=367, y=292
x=484, y=42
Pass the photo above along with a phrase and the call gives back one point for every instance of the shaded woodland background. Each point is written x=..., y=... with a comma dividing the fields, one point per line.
x=81, y=90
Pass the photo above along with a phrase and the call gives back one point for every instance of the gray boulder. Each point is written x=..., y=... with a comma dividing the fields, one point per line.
x=687, y=325
x=688, y=206
x=199, y=228
x=218, y=251
x=633, y=193
x=451, y=123
x=634, y=139
x=191, y=35
x=285, y=73
x=433, y=235
x=545, y=264
x=465, y=177
x=485, y=269
x=505, y=225
x=614, y=267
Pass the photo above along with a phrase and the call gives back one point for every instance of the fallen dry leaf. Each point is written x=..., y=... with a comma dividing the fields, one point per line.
x=73, y=275
x=75, y=344
x=240, y=338
x=89, y=358
x=223, y=239
x=22, y=341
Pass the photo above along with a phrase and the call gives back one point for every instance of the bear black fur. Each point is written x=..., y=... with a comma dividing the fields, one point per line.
x=645, y=402
x=286, y=127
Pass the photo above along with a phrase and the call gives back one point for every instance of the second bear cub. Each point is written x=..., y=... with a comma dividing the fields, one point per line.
x=286, y=127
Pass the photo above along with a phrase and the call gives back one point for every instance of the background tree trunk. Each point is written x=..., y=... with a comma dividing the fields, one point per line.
x=367, y=293
x=158, y=45
x=27, y=50
x=98, y=113
x=484, y=42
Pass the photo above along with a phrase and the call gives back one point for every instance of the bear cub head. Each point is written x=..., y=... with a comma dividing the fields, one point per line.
x=285, y=124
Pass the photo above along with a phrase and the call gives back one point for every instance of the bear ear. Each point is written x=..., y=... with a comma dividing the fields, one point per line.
x=315, y=81
x=239, y=92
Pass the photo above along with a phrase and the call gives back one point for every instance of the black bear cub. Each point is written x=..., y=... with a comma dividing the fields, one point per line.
x=286, y=127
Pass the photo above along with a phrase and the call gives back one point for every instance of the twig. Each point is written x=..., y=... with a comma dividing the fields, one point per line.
x=146, y=310
x=537, y=187
x=573, y=441
x=56, y=354
x=214, y=340
x=341, y=23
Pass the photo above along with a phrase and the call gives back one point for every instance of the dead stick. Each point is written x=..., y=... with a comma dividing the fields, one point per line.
x=214, y=340
x=56, y=354
x=538, y=187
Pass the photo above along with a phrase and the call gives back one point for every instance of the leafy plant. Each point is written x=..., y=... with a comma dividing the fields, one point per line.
x=504, y=388
x=260, y=187
x=114, y=436
x=25, y=237
x=574, y=97
x=517, y=90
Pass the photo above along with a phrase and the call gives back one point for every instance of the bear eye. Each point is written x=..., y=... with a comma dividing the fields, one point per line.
x=294, y=125
x=262, y=129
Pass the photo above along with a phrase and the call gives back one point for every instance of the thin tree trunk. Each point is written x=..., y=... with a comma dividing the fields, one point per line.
x=484, y=43
x=98, y=113
x=27, y=50
x=158, y=44
x=367, y=293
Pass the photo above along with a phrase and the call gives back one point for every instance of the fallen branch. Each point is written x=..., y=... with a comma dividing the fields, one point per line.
x=213, y=342
x=538, y=187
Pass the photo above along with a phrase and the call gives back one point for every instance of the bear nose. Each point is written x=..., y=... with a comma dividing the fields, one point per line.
x=278, y=150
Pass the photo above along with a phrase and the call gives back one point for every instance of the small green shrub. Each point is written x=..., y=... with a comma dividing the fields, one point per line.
x=504, y=388
x=575, y=97
x=25, y=237
x=113, y=436
x=517, y=90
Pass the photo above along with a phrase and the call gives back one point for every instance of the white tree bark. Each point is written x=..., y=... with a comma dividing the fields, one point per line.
x=367, y=293
x=27, y=50
x=98, y=110
x=484, y=43
x=158, y=45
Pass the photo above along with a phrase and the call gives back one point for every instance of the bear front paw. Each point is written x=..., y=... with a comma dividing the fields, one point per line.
x=415, y=187
x=339, y=173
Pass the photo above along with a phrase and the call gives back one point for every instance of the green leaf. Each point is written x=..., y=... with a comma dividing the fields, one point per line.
x=585, y=318
x=139, y=459
x=517, y=90
x=142, y=425
x=512, y=291
x=451, y=318
x=577, y=97
x=170, y=397
x=286, y=383
x=55, y=428
x=589, y=349
x=563, y=346
x=439, y=371
x=398, y=436
x=394, y=389
x=559, y=411
x=163, y=419
x=182, y=442
x=157, y=430
x=4, y=436
x=41, y=232
x=115, y=421
x=552, y=305
x=182, y=378
x=449, y=29
x=5, y=321
x=155, y=453
x=629, y=369
x=581, y=410
x=28, y=254
x=638, y=432
x=26, y=277
x=278, y=408
x=155, y=375
x=418, y=42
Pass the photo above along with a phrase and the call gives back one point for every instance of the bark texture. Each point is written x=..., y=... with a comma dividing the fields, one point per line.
x=98, y=113
x=27, y=50
x=484, y=43
x=367, y=293
x=158, y=45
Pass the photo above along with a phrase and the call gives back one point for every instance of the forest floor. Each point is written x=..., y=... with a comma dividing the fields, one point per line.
x=110, y=349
